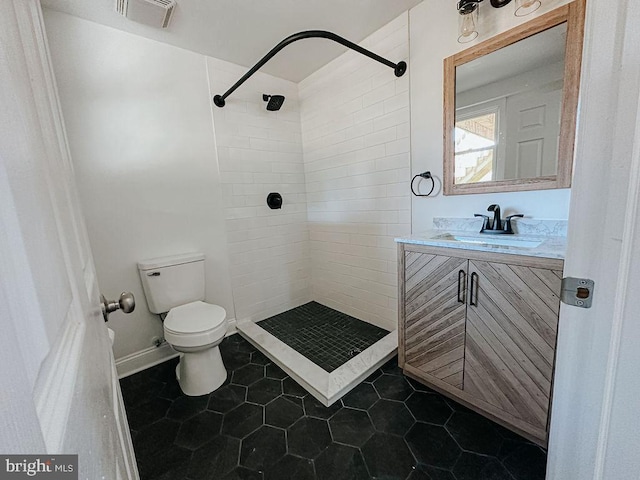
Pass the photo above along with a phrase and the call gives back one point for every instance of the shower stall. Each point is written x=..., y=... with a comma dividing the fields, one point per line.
x=314, y=280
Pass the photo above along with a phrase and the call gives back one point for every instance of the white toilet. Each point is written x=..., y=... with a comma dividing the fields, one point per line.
x=176, y=285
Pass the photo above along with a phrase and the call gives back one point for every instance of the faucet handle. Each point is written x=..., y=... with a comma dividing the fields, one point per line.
x=485, y=222
x=507, y=223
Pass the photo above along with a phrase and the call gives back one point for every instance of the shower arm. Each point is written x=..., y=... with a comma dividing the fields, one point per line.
x=399, y=68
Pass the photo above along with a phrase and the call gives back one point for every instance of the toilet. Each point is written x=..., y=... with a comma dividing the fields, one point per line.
x=175, y=285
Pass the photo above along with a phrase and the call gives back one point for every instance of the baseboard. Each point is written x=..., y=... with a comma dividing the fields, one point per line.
x=138, y=361
x=143, y=359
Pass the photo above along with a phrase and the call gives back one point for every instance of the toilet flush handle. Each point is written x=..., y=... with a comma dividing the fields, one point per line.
x=126, y=303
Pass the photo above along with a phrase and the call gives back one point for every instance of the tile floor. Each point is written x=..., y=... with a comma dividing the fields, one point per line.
x=262, y=426
x=325, y=336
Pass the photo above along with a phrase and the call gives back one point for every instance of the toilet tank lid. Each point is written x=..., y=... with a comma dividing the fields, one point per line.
x=159, y=262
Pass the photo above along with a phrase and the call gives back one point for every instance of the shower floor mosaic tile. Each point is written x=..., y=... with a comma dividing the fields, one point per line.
x=261, y=425
x=325, y=336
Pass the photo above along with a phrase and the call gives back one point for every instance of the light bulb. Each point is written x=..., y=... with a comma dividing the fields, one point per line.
x=468, y=25
x=526, y=7
x=467, y=29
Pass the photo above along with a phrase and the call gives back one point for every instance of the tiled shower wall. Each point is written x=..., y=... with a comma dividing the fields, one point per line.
x=355, y=132
x=261, y=152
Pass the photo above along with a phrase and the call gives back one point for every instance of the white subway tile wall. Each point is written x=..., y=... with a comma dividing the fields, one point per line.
x=261, y=152
x=355, y=137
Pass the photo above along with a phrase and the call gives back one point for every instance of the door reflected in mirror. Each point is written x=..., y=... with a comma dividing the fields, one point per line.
x=508, y=106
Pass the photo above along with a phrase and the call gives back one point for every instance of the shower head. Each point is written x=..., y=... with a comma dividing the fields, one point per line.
x=275, y=102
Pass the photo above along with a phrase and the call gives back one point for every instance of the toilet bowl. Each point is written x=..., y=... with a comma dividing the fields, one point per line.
x=195, y=330
x=176, y=285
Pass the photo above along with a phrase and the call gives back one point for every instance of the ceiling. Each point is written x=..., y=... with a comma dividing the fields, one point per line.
x=545, y=48
x=242, y=31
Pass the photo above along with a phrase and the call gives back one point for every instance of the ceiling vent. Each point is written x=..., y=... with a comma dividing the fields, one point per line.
x=156, y=13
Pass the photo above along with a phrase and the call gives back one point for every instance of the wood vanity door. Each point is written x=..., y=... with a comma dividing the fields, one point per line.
x=512, y=322
x=435, y=315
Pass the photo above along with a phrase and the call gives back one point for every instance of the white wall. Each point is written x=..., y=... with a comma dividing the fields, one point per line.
x=139, y=124
x=355, y=125
x=261, y=152
x=431, y=42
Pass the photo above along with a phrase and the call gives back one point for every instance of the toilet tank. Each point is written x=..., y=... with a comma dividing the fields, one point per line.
x=172, y=281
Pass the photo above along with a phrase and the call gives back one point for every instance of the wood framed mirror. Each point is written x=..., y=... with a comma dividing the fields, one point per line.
x=510, y=107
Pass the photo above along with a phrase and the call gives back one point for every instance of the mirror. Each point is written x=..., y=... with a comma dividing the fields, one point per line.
x=510, y=107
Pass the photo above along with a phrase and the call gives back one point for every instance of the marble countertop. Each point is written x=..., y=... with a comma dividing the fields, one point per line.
x=549, y=247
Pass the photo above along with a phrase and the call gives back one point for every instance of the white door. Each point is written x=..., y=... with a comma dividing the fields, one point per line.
x=533, y=119
x=59, y=392
x=595, y=422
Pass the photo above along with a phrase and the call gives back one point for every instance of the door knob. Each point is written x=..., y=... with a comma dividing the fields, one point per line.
x=126, y=303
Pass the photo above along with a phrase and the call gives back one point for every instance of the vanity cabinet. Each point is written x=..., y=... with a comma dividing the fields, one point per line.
x=481, y=328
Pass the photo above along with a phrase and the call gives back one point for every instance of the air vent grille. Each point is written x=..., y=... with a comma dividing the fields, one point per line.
x=156, y=13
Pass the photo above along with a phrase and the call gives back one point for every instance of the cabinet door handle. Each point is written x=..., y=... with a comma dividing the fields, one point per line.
x=462, y=283
x=473, y=301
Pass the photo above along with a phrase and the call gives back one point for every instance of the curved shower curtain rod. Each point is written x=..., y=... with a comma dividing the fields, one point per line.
x=399, y=68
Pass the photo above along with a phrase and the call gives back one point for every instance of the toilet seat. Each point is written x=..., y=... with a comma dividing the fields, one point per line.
x=195, y=324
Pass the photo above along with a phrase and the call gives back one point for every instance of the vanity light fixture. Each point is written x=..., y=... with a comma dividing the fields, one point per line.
x=526, y=7
x=468, y=10
x=468, y=20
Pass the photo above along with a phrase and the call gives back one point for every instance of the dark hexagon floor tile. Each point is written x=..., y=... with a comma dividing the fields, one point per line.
x=283, y=412
x=479, y=467
x=260, y=358
x=135, y=393
x=274, y=371
x=393, y=387
x=391, y=367
x=291, y=387
x=241, y=473
x=215, y=458
x=263, y=448
x=432, y=445
x=339, y=462
x=455, y=406
x=388, y=456
x=429, y=407
x=186, y=407
x=227, y=398
x=291, y=467
x=419, y=386
x=148, y=413
x=308, y=437
x=351, y=426
x=172, y=462
x=363, y=396
x=155, y=437
x=264, y=391
x=474, y=433
x=164, y=371
x=198, y=430
x=436, y=473
x=245, y=347
x=242, y=421
x=391, y=417
x=171, y=390
x=374, y=376
x=528, y=462
x=419, y=475
x=314, y=408
x=248, y=375
x=234, y=360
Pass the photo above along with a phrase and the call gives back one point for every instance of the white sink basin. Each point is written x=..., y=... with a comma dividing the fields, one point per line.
x=490, y=240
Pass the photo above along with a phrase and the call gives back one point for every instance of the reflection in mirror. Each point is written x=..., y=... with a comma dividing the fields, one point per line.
x=508, y=106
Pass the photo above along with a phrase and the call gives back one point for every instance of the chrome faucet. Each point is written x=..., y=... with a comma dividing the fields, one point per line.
x=497, y=226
